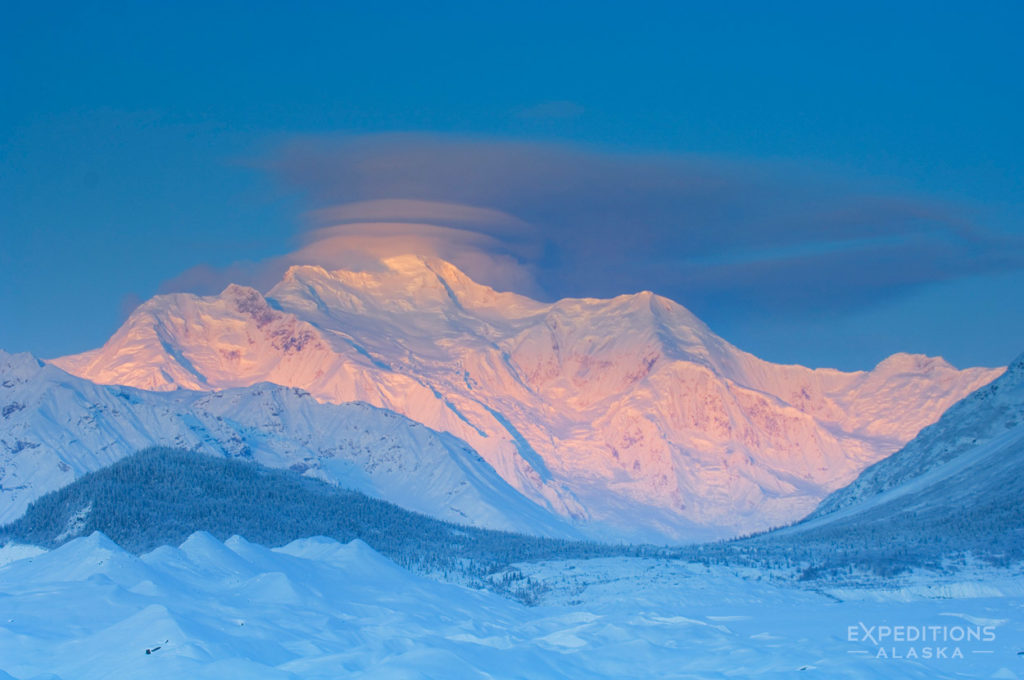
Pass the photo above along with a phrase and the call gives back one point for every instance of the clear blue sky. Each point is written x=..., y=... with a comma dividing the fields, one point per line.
x=139, y=141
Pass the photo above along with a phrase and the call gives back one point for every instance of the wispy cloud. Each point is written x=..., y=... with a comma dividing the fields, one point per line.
x=555, y=220
x=488, y=245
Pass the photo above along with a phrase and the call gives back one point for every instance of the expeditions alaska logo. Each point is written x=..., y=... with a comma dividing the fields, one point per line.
x=920, y=642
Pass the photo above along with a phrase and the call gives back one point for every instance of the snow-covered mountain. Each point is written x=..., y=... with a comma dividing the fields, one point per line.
x=627, y=411
x=965, y=473
x=54, y=427
x=949, y=499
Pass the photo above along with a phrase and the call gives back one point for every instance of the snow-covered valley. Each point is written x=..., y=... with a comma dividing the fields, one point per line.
x=317, y=608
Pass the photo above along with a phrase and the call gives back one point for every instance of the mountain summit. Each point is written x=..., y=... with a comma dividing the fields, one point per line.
x=628, y=415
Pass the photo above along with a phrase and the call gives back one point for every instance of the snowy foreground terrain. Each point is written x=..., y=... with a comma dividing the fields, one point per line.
x=317, y=608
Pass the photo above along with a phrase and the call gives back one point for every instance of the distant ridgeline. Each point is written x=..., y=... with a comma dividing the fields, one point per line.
x=161, y=496
x=955, y=491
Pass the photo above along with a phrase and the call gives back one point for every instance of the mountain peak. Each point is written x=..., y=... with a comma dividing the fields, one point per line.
x=903, y=362
x=411, y=262
x=402, y=284
x=237, y=291
x=20, y=366
x=436, y=271
x=299, y=271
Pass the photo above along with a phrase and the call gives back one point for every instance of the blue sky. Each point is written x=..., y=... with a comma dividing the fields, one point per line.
x=823, y=185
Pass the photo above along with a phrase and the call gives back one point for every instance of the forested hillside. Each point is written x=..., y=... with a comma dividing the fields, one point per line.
x=161, y=496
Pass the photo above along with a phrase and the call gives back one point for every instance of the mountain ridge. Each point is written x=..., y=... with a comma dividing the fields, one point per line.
x=55, y=427
x=628, y=411
x=985, y=417
x=948, y=499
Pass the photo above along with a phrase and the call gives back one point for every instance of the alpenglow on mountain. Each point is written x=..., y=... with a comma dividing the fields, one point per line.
x=970, y=462
x=55, y=427
x=953, y=492
x=627, y=413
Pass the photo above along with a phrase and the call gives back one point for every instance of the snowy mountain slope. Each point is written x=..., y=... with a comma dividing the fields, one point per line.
x=989, y=422
x=162, y=495
x=951, y=495
x=54, y=427
x=971, y=503
x=628, y=411
x=319, y=609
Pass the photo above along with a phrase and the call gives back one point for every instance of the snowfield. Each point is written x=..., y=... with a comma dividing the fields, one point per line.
x=317, y=608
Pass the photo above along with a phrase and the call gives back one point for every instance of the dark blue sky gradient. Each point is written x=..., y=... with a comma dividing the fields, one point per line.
x=135, y=138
